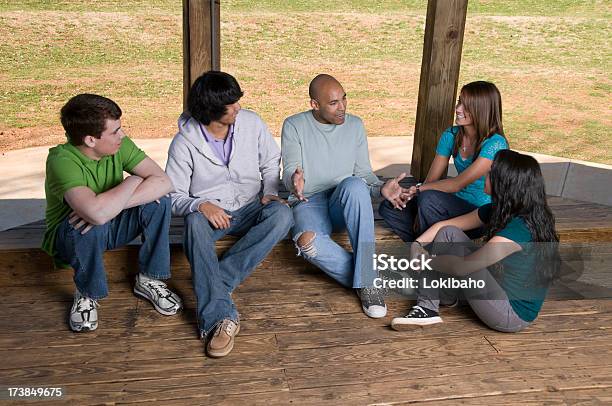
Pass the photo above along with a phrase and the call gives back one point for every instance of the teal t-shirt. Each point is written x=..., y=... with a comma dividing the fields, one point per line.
x=67, y=167
x=519, y=278
x=474, y=192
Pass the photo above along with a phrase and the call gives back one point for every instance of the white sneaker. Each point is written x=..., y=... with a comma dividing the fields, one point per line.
x=155, y=291
x=83, y=314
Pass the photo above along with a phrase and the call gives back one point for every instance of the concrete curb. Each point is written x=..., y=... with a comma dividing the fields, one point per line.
x=22, y=174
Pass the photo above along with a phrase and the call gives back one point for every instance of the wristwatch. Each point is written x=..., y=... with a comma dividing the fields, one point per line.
x=418, y=187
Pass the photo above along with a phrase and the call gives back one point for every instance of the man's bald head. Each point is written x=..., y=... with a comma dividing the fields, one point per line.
x=320, y=82
x=328, y=99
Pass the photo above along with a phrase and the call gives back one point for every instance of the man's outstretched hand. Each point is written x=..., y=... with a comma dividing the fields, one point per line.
x=397, y=195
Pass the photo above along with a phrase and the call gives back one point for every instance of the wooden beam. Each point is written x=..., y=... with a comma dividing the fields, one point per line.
x=439, y=79
x=201, y=40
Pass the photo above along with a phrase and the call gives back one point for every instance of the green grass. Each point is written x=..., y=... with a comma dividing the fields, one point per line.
x=488, y=7
x=133, y=6
x=551, y=60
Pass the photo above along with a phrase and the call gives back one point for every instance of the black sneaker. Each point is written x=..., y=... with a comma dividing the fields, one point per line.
x=418, y=316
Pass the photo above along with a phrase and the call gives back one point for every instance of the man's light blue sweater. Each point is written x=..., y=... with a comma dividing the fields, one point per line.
x=328, y=153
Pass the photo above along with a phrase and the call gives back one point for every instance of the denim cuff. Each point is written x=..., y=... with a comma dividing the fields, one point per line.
x=161, y=277
x=205, y=332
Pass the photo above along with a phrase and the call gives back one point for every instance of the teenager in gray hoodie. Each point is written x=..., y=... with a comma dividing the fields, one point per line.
x=225, y=167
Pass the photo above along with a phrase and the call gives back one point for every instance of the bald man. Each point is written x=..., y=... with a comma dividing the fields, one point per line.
x=327, y=168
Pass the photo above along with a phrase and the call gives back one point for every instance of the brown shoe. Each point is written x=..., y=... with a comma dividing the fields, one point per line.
x=222, y=341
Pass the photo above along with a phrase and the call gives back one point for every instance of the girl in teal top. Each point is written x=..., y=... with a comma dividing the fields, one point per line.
x=505, y=281
x=472, y=143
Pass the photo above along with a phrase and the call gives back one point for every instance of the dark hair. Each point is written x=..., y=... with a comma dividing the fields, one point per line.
x=517, y=190
x=86, y=114
x=483, y=101
x=210, y=94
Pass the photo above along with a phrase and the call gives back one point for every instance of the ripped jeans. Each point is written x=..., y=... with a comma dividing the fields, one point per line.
x=348, y=207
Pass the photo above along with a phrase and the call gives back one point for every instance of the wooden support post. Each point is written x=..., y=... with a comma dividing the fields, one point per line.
x=201, y=40
x=439, y=79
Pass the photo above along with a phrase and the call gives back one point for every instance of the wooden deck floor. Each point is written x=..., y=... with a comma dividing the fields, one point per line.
x=303, y=340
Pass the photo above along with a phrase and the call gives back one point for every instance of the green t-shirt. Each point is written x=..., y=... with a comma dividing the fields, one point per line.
x=67, y=167
x=520, y=270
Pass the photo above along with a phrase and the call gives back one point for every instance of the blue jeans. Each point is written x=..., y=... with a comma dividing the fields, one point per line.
x=260, y=228
x=430, y=207
x=347, y=206
x=85, y=252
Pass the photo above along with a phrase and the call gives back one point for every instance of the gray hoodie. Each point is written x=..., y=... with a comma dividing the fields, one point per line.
x=199, y=176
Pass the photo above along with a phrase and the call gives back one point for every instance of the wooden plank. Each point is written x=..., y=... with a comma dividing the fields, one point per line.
x=576, y=397
x=401, y=350
x=365, y=333
x=201, y=40
x=582, y=308
x=589, y=291
x=526, y=343
x=148, y=370
x=573, y=397
x=202, y=387
x=197, y=388
x=153, y=344
x=88, y=352
x=457, y=321
x=441, y=388
x=569, y=342
x=247, y=312
x=186, y=54
x=305, y=377
x=444, y=28
x=452, y=368
x=29, y=317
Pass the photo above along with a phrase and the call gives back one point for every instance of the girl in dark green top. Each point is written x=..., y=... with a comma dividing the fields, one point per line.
x=505, y=281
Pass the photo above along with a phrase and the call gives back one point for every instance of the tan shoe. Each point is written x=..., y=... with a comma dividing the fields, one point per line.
x=222, y=341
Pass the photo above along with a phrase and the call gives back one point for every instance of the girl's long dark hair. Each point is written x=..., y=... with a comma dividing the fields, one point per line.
x=517, y=190
x=482, y=101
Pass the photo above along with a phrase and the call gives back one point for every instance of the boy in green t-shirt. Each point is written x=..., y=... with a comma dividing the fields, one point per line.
x=92, y=208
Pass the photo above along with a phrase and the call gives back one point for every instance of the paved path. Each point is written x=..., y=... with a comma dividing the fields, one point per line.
x=22, y=174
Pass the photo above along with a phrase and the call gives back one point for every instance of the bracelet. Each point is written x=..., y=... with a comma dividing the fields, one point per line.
x=419, y=242
x=418, y=187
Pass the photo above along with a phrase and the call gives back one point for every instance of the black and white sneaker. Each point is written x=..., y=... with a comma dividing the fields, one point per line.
x=83, y=314
x=373, y=302
x=418, y=316
x=155, y=291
